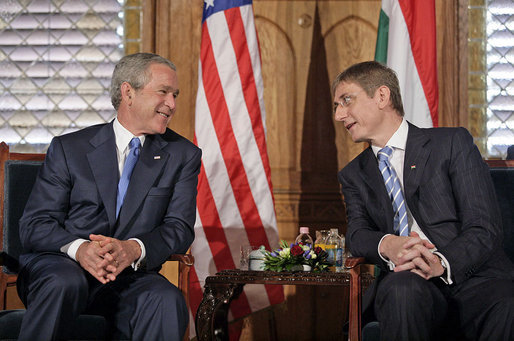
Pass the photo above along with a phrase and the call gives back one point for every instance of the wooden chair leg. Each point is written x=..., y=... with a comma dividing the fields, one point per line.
x=3, y=290
x=355, y=313
x=184, y=265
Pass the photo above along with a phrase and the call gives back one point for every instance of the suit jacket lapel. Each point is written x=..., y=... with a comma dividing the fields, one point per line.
x=380, y=204
x=104, y=166
x=417, y=151
x=151, y=161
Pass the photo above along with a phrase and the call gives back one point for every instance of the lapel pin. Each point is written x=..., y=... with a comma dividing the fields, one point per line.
x=413, y=167
x=157, y=157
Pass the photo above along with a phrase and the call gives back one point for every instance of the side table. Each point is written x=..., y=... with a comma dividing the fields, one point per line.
x=222, y=288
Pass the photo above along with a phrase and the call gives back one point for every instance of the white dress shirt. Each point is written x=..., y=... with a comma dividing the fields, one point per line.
x=398, y=143
x=123, y=138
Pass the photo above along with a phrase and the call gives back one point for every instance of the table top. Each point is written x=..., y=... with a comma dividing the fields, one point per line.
x=237, y=276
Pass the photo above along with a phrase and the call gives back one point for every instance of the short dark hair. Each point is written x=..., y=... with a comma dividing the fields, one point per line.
x=133, y=69
x=370, y=76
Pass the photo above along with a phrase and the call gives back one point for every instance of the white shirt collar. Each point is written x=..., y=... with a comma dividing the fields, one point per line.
x=398, y=140
x=123, y=136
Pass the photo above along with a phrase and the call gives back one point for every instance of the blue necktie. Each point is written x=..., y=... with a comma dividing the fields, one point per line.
x=130, y=162
x=394, y=189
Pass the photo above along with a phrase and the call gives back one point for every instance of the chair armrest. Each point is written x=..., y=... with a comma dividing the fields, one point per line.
x=352, y=262
x=187, y=259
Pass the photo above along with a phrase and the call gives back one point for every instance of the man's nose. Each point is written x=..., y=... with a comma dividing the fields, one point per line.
x=341, y=113
x=170, y=101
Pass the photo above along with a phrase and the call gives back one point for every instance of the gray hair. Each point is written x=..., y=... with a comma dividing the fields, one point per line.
x=370, y=76
x=134, y=69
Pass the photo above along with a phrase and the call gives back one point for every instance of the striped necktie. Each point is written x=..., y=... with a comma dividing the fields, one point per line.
x=130, y=162
x=394, y=189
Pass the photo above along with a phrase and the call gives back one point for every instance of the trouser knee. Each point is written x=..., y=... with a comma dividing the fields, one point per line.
x=404, y=288
x=54, y=278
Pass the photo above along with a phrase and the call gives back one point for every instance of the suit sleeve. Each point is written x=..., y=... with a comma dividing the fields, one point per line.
x=41, y=226
x=176, y=233
x=363, y=235
x=479, y=235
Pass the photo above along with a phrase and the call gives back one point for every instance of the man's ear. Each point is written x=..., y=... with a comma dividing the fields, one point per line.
x=383, y=96
x=127, y=92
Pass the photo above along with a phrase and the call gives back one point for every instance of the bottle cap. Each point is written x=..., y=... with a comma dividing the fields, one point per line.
x=304, y=230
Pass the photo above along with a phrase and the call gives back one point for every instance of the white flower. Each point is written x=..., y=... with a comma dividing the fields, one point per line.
x=284, y=252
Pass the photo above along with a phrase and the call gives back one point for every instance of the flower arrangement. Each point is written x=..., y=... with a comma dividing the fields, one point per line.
x=293, y=257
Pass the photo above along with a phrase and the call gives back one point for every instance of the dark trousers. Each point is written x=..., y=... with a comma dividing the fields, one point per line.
x=411, y=308
x=140, y=306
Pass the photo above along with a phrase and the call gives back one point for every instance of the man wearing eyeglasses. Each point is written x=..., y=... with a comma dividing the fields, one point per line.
x=421, y=206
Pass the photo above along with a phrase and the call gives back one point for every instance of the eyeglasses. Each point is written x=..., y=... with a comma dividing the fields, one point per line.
x=345, y=102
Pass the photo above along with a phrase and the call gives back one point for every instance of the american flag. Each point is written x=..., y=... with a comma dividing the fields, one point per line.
x=235, y=200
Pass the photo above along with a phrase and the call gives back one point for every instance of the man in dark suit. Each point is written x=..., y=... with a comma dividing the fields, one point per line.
x=93, y=245
x=439, y=245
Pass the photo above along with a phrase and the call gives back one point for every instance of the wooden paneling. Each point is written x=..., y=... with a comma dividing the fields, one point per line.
x=172, y=29
x=451, y=21
x=305, y=44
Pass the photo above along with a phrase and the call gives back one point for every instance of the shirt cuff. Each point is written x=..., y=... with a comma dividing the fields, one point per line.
x=444, y=262
x=137, y=263
x=390, y=264
x=71, y=248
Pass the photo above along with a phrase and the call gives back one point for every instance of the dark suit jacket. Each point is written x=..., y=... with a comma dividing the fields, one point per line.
x=75, y=195
x=448, y=190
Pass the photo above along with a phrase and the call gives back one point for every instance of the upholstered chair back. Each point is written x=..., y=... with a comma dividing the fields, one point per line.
x=19, y=178
x=503, y=179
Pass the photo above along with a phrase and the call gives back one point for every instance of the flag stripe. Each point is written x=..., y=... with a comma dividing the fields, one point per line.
x=401, y=59
x=382, y=38
x=239, y=41
x=423, y=42
x=256, y=169
x=223, y=125
x=216, y=172
x=212, y=226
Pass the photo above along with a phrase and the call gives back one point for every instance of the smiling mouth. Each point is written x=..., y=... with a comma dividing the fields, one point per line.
x=163, y=114
x=348, y=126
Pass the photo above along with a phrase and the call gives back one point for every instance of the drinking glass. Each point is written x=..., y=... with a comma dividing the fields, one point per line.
x=245, y=251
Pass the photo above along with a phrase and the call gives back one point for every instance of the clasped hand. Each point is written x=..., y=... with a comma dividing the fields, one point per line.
x=106, y=257
x=412, y=254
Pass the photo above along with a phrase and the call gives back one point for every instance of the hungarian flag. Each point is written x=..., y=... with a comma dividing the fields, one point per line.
x=406, y=42
x=235, y=200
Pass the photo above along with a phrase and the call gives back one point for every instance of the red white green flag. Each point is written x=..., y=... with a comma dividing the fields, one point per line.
x=406, y=42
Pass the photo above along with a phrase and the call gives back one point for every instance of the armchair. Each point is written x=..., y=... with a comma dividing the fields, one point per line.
x=18, y=173
x=502, y=174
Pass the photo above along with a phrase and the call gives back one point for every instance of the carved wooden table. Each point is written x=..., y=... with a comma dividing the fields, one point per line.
x=222, y=288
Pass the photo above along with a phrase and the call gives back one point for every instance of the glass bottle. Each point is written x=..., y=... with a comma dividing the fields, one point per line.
x=321, y=238
x=340, y=267
x=304, y=237
x=334, y=248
